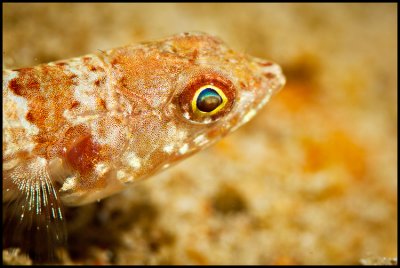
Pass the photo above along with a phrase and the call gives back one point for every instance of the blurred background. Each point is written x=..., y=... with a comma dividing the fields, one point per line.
x=312, y=179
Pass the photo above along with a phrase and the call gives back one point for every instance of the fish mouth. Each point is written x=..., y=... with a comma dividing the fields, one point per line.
x=271, y=73
x=270, y=81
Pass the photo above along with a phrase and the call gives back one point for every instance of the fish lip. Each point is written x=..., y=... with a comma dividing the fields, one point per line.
x=280, y=79
x=272, y=81
x=272, y=78
x=268, y=68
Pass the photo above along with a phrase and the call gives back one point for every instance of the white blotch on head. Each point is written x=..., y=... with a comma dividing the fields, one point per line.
x=184, y=149
x=186, y=115
x=132, y=160
x=174, y=136
x=120, y=174
x=41, y=161
x=101, y=169
x=249, y=115
x=181, y=135
x=169, y=148
x=123, y=177
x=165, y=166
x=69, y=184
x=207, y=120
x=171, y=130
x=264, y=101
x=246, y=97
x=200, y=140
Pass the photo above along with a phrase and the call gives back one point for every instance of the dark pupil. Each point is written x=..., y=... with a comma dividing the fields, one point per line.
x=208, y=100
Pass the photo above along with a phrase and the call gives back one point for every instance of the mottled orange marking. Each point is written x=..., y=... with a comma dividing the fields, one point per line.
x=101, y=103
x=48, y=91
x=26, y=82
x=15, y=87
x=194, y=56
x=74, y=104
x=29, y=117
x=84, y=155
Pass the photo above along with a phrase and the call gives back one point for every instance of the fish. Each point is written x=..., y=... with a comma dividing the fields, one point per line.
x=79, y=130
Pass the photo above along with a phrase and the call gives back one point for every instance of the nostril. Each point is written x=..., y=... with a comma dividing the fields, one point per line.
x=268, y=68
x=265, y=63
x=273, y=74
x=272, y=71
x=270, y=75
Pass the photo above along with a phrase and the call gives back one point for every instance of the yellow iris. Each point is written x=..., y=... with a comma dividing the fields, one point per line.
x=208, y=100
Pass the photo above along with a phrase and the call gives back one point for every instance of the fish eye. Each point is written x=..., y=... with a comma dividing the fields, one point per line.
x=206, y=97
x=208, y=100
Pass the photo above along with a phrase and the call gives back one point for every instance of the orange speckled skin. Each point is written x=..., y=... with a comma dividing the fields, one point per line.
x=100, y=122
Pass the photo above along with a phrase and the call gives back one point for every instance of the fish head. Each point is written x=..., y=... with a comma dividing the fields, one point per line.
x=221, y=91
x=167, y=100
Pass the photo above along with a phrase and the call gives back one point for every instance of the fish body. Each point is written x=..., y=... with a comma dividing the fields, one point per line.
x=97, y=123
x=78, y=130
